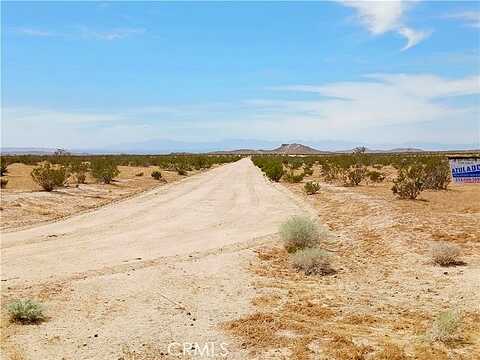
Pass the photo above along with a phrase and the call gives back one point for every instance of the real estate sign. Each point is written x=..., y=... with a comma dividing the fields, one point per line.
x=465, y=169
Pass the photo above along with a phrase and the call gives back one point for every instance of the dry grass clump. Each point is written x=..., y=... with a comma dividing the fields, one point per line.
x=390, y=352
x=445, y=326
x=299, y=232
x=445, y=254
x=25, y=311
x=312, y=261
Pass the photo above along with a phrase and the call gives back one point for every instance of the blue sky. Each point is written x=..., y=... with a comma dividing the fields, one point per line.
x=95, y=74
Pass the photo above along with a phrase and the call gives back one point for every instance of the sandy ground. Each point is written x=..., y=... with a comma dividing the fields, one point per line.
x=24, y=204
x=128, y=279
x=382, y=301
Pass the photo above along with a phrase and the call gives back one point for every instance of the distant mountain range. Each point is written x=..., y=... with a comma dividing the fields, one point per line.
x=242, y=146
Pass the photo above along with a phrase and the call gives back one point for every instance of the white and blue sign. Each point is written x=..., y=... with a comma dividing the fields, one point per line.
x=465, y=169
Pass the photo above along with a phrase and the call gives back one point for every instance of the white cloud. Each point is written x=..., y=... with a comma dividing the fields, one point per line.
x=109, y=35
x=380, y=17
x=33, y=32
x=470, y=18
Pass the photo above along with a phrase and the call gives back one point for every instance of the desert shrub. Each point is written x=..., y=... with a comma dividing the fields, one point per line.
x=292, y=178
x=274, y=171
x=445, y=254
x=445, y=326
x=157, y=175
x=48, y=177
x=25, y=311
x=308, y=171
x=79, y=170
x=139, y=174
x=182, y=169
x=437, y=175
x=104, y=169
x=311, y=187
x=3, y=166
x=356, y=174
x=3, y=182
x=375, y=176
x=299, y=232
x=410, y=182
x=312, y=261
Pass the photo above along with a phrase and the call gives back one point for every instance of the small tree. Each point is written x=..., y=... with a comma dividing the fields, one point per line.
x=356, y=174
x=104, y=170
x=80, y=170
x=409, y=182
x=49, y=177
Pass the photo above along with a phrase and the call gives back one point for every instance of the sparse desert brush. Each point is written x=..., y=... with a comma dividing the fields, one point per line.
x=139, y=174
x=104, y=170
x=437, y=175
x=299, y=232
x=3, y=182
x=157, y=175
x=446, y=326
x=312, y=261
x=311, y=187
x=445, y=254
x=49, y=177
x=410, y=182
x=25, y=311
x=307, y=171
x=291, y=177
x=375, y=176
x=356, y=174
x=3, y=166
x=80, y=170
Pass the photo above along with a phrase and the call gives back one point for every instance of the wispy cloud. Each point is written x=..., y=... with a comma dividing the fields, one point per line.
x=380, y=17
x=33, y=32
x=470, y=18
x=84, y=32
x=111, y=34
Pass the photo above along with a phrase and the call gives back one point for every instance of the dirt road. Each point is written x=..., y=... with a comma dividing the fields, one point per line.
x=160, y=267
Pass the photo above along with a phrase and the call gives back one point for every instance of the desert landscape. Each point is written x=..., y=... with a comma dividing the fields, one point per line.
x=194, y=260
x=240, y=180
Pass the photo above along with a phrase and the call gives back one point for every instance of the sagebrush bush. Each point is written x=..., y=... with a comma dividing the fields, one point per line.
x=375, y=176
x=311, y=187
x=445, y=254
x=356, y=174
x=79, y=170
x=445, y=326
x=25, y=311
x=410, y=182
x=312, y=261
x=49, y=177
x=157, y=175
x=291, y=177
x=3, y=182
x=307, y=171
x=299, y=232
x=437, y=175
x=104, y=170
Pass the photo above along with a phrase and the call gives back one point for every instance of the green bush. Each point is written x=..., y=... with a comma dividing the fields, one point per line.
x=299, y=232
x=445, y=326
x=79, y=170
x=104, y=170
x=356, y=174
x=48, y=177
x=311, y=187
x=437, y=175
x=307, y=171
x=375, y=176
x=410, y=182
x=25, y=311
x=312, y=261
x=290, y=177
x=157, y=175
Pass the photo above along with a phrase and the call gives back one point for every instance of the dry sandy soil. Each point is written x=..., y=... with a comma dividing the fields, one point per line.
x=23, y=203
x=382, y=301
x=128, y=279
x=199, y=261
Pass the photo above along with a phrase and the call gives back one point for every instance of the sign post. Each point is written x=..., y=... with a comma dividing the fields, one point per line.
x=465, y=169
